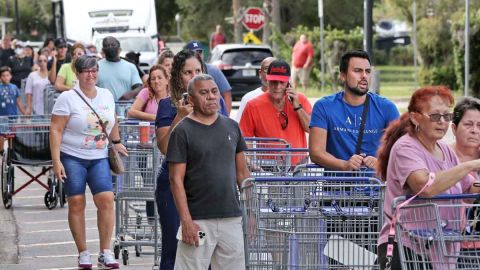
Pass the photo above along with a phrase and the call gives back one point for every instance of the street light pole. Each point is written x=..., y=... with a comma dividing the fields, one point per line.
x=322, y=60
x=467, y=47
x=17, y=20
x=178, y=18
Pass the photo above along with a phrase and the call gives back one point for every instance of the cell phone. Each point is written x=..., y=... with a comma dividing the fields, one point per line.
x=185, y=98
x=201, y=236
x=289, y=85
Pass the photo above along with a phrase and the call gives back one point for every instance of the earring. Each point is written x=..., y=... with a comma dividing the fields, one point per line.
x=417, y=128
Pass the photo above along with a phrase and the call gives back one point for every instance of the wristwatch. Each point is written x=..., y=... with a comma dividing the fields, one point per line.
x=116, y=141
x=298, y=108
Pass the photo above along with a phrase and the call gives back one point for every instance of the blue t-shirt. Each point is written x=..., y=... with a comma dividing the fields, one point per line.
x=342, y=122
x=165, y=114
x=118, y=77
x=8, y=99
x=219, y=78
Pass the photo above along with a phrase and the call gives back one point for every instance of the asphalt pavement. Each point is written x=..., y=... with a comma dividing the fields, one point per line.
x=33, y=237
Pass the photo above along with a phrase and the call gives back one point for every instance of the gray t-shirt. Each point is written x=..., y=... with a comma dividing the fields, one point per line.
x=209, y=153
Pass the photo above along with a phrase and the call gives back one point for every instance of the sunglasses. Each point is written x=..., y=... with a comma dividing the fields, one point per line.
x=435, y=117
x=283, y=119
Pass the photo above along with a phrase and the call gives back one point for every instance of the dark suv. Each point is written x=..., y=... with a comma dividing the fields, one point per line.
x=240, y=64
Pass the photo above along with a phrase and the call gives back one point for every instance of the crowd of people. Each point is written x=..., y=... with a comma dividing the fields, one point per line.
x=190, y=103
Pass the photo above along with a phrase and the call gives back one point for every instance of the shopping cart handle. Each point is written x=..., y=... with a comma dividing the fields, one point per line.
x=133, y=121
x=314, y=178
x=276, y=149
x=447, y=196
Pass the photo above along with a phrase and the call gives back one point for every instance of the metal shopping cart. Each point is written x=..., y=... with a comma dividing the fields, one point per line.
x=311, y=222
x=50, y=95
x=134, y=191
x=28, y=146
x=437, y=233
x=122, y=107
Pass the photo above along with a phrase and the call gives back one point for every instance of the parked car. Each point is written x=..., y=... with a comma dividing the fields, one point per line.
x=240, y=64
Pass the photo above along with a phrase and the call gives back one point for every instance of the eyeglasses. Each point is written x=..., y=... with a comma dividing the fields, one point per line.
x=93, y=70
x=435, y=117
x=283, y=119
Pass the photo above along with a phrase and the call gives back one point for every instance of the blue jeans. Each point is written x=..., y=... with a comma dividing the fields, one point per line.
x=169, y=221
x=95, y=172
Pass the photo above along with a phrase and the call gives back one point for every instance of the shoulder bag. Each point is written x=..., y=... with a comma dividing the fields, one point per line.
x=362, y=125
x=114, y=159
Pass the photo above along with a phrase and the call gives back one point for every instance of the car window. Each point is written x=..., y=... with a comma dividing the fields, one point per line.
x=242, y=57
x=136, y=44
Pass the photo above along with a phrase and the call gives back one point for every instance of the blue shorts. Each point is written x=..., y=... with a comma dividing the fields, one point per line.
x=95, y=172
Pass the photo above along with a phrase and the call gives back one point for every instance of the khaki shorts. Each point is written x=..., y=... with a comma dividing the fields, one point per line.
x=302, y=73
x=223, y=246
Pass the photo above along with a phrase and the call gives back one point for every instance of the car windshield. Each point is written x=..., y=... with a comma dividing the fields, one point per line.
x=242, y=57
x=135, y=44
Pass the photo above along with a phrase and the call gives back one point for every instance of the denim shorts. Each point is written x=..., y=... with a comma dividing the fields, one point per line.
x=95, y=172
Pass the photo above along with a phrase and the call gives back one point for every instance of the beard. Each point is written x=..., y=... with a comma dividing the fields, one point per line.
x=356, y=91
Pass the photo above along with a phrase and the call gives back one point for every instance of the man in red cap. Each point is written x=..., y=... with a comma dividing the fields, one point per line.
x=280, y=112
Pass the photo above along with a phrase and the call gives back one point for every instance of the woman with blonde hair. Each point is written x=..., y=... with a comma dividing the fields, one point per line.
x=66, y=77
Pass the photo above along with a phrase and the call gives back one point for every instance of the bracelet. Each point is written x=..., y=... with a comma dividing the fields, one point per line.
x=116, y=141
x=298, y=108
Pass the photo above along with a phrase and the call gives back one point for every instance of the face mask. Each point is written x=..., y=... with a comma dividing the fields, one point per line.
x=111, y=54
x=18, y=51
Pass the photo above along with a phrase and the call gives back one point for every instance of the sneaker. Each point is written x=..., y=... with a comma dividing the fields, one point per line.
x=106, y=260
x=84, y=260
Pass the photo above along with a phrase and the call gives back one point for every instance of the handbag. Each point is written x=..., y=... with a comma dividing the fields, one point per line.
x=114, y=159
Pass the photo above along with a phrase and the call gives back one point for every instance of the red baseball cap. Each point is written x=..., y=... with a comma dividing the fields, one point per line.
x=278, y=70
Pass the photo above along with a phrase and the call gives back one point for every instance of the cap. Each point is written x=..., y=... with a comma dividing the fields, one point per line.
x=278, y=70
x=60, y=42
x=194, y=46
x=110, y=42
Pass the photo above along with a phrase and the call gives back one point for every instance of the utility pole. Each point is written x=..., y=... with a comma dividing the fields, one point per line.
x=17, y=20
x=267, y=7
x=467, y=48
x=237, y=22
x=276, y=19
x=322, y=59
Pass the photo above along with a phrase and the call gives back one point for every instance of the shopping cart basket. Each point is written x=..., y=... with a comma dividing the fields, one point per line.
x=436, y=233
x=134, y=190
x=28, y=145
x=311, y=222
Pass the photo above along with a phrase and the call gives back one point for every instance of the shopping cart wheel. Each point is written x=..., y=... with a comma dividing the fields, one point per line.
x=50, y=200
x=125, y=257
x=7, y=184
x=116, y=250
x=138, y=250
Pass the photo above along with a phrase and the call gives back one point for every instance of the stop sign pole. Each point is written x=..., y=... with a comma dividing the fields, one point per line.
x=253, y=18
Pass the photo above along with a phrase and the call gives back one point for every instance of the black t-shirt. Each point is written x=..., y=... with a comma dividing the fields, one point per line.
x=59, y=63
x=5, y=55
x=20, y=67
x=209, y=153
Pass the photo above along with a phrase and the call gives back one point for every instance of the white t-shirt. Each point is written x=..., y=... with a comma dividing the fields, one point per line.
x=36, y=85
x=245, y=99
x=83, y=136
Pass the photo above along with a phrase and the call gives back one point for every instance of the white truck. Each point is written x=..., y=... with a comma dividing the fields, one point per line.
x=133, y=23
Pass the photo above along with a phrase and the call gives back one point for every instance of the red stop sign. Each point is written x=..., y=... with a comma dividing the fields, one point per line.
x=253, y=18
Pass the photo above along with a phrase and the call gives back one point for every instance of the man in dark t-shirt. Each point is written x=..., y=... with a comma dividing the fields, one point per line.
x=206, y=196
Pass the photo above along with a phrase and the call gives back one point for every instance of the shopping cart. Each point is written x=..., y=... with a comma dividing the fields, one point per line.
x=311, y=222
x=50, y=95
x=134, y=190
x=28, y=146
x=122, y=107
x=430, y=232
x=312, y=169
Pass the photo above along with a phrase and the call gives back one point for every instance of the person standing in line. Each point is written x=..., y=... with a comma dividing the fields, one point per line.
x=35, y=86
x=206, y=197
x=166, y=60
x=20, y=65
x=6, y=50
x=336, y=119
x=217, y=37
x=78, y=144
x=257, y=92
x=302, y=61
x=66, y=77
x=60, y=56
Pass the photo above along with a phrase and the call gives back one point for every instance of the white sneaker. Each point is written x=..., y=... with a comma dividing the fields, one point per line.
x=84, y=260
x=106, y=260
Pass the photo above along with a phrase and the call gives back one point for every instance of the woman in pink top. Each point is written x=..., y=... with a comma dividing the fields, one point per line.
x=146, y=104
x=466, y=128
x=412, y=149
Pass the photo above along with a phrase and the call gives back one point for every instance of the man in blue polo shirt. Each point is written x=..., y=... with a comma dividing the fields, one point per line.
x=336, y=119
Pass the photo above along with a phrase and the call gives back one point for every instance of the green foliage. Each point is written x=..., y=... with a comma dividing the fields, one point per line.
x=439, y=75
x=33, y=14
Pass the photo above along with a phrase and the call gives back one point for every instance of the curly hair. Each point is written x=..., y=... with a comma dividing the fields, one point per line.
x=177, y=88
x=151, y=92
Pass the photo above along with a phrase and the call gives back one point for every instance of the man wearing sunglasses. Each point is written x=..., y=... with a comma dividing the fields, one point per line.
x=336, y=122
x=280, y=112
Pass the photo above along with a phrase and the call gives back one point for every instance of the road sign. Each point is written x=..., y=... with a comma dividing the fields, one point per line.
x=253, y=18
x=251, y=38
